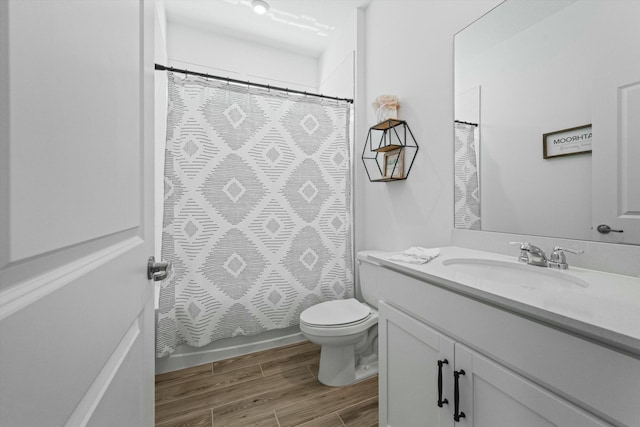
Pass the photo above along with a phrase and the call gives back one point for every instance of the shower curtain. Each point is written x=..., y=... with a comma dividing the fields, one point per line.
x=467, y=186
x=257, y=214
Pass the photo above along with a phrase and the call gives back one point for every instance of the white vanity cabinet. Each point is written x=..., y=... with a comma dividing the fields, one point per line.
x=517, y=372
x=490, y=395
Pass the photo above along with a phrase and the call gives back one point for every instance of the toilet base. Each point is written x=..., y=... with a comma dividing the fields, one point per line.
x=338, y=366
x=365, y=371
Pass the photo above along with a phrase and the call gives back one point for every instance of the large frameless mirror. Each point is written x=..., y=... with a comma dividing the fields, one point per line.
x=547, y=136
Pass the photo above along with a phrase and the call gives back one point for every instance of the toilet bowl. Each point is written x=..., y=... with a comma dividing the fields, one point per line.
x=347, y=331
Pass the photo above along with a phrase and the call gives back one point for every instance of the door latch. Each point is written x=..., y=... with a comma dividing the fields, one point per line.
x=158, y=270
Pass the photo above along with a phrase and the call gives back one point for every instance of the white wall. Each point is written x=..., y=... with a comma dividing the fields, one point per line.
x=199, y=50
x=409, y=53
x=520, y=102
x=336, y=64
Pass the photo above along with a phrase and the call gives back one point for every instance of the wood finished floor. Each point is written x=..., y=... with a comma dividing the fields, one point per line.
x=277, y=387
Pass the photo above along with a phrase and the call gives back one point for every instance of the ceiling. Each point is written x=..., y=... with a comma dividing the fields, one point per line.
x=302, y=26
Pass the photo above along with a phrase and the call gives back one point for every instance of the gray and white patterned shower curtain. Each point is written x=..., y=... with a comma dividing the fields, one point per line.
x=467, y=185
x=257, y=216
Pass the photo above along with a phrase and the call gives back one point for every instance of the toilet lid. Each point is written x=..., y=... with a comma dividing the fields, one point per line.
x=338, y=312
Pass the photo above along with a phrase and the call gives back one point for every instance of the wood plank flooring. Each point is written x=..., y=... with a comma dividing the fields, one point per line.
x=277, y=387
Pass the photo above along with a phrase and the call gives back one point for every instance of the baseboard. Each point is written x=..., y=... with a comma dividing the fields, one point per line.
x=186, y=356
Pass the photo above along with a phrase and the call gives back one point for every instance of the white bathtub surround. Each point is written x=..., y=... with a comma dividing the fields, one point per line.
x=186, y=356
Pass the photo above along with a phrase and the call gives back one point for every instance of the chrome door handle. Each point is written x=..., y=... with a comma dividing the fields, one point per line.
x=605, y=229
x=157, y=270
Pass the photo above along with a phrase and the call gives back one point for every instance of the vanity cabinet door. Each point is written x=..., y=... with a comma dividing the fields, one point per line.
x=493, y=396
x=409, y=354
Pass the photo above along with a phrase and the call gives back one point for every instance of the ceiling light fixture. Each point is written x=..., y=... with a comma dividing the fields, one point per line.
x=260, y=6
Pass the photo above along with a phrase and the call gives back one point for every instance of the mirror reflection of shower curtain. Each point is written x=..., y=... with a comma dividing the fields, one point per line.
x=257, y=216
x=467, y=188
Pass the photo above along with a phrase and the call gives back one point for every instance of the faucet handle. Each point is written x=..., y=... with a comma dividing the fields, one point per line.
x=573, y=251
x=558, y=258
x=524, y=246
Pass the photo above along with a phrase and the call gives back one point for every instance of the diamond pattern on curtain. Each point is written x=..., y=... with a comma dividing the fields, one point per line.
x=257, y=216
x=467, y=188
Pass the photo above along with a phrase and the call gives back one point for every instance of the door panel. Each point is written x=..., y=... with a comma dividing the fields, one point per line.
x=494, y=396
x=114, y=382
x=409, y=352
x=616, y=129
x=510, y=413
x=76, y=313
x=63, y=87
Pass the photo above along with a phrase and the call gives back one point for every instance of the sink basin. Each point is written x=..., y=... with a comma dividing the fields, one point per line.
x=486, y=271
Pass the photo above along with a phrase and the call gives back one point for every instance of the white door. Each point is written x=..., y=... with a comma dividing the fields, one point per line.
x=76, y=121
x=494, y=396
x=616, y=128
x=409, y=354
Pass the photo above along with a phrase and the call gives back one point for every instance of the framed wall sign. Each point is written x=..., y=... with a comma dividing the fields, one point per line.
x=567, y=142
x=394, y=164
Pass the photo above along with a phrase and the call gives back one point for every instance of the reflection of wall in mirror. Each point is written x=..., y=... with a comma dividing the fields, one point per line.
x=532, y=82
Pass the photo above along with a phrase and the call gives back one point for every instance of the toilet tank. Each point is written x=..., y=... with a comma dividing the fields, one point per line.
x=368, y=285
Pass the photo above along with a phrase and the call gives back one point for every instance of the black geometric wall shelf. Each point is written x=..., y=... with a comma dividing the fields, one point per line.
x=389, y=148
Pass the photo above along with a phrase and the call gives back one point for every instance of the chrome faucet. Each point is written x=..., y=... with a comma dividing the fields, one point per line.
x=531, y=254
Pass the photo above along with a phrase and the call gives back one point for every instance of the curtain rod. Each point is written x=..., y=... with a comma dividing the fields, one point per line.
x=465, y=123
x=229, y=80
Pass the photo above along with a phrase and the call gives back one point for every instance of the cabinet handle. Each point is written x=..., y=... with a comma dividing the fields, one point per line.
x=456, y=396
x=441, y=401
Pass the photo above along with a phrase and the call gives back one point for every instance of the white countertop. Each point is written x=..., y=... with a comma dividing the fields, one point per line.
x=607, y=311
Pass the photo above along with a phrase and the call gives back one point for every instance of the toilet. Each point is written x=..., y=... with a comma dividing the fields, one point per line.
x=347, y=330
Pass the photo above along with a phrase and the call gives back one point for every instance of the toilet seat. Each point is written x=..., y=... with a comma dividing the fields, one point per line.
x=338, y=313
